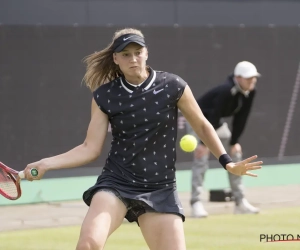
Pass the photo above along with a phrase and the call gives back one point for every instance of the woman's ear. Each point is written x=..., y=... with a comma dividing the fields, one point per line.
x=147, y=55
x=115, y=58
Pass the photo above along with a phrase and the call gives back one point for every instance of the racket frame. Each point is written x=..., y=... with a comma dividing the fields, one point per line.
x=12, y=174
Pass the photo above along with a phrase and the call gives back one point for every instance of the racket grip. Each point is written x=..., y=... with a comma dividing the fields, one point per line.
x=21, y=174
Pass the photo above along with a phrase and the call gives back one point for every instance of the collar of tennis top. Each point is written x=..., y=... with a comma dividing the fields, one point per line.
x=121, y=42
x=144, y=86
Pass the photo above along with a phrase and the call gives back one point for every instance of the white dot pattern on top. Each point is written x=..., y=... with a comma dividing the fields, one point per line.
x=144, y=129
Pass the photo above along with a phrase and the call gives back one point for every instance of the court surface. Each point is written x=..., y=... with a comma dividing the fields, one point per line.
x=58, y=214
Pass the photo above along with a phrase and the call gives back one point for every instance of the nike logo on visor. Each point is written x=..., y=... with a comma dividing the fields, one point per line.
x=126, y=38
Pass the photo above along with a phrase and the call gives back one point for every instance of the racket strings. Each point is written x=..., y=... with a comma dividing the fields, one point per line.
x=7, y=184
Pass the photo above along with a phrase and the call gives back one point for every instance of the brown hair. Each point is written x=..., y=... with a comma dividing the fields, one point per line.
x=100, y=65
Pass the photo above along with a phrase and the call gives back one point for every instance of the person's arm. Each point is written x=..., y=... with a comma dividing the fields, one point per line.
x=240, y=119
x=192, y=112
x=219, y=105
x=85, y=153
x=202, y=127
x=215, y=115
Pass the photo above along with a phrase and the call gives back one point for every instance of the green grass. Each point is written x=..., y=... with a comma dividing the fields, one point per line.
x=226, y=232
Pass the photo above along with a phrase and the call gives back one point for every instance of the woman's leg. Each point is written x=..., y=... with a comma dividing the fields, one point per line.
x=162, y=231
x=105, y=215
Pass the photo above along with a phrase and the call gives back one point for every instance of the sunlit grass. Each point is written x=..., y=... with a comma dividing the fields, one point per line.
x=228, y=232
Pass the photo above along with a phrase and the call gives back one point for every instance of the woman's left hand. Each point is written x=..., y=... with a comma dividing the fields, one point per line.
x=243, y=167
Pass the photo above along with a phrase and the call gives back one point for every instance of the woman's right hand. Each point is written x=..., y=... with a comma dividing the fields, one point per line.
x=200, y=151
x=40, y=166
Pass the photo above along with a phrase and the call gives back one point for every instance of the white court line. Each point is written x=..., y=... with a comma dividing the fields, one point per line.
x=289, y=117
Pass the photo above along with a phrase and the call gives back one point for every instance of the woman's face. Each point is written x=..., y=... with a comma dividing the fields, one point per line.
x=132, y=60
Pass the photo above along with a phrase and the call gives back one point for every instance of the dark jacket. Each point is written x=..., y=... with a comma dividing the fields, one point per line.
x=227, y=100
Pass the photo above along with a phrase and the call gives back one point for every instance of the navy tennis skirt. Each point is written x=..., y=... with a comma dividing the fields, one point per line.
x=137, y=199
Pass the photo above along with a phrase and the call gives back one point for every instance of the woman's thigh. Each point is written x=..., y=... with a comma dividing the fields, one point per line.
x=106, y=213
x=162, y=231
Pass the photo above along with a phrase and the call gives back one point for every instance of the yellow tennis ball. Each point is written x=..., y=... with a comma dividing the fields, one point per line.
x=188, y=143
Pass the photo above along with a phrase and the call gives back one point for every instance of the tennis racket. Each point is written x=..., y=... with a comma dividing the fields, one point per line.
x=10, y=181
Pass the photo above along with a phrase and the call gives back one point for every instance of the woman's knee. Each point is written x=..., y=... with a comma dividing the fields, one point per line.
x=89, y=243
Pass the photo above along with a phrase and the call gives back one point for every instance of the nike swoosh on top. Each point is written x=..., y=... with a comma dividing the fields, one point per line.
x=156, y=92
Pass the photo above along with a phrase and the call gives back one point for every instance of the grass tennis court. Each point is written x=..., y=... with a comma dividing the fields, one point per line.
x=228, y=232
